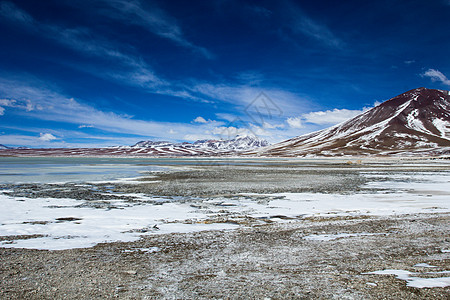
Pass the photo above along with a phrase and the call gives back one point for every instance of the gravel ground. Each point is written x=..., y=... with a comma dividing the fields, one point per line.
x=260, y=262
x=269, y=261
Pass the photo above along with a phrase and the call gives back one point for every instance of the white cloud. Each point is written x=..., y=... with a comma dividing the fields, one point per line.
x=376, y=103
x=47, y=137
x=134, y=71
x=86, y=126
x=55, y=106
x=2, y=111
x=334, y=116
x=59, y=108
x=436, y=75
x=200, y=120
x=7, y=102
x=26, y=105
x=259, y=131
x=242, y=96
x=294, y=122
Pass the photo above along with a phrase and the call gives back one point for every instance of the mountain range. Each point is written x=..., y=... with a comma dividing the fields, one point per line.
x=414, y=123
x=201, y=147
x=233, y=146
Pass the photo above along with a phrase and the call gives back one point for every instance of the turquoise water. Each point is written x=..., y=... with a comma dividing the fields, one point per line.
x=59, y=169
x=80, y=169
x=88, y=169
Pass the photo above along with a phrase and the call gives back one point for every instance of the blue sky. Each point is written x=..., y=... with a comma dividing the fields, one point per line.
x=113, y=72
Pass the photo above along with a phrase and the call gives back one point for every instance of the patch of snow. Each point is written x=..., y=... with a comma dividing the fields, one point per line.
x=146, y=250
x=329, y=237
x=40, y=217
x=424, y=265
x=408, y=193
x=443, y=127
x=417, y=282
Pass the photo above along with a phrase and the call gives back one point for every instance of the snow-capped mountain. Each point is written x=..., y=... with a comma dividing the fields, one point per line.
x=211, y=147
x=4, y=147
x=416, y=122
x=144, y=144
x=152, y=148
x=239, y=143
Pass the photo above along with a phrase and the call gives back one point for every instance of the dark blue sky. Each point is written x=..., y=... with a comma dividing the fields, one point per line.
x=113, y=72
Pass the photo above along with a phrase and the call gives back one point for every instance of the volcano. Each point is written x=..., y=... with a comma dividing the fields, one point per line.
x=415, y=122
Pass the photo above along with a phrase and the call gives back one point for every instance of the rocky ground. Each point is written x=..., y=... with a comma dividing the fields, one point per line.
x=306, y=258
x=261, y=262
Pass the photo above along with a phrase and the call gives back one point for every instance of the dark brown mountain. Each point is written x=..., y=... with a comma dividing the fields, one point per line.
x=416, y=122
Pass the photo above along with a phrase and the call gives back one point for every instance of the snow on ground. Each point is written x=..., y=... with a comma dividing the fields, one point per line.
x=329, y=237
x=417, y=282
x=146, y=250
x=66, y=224
x=424, y=265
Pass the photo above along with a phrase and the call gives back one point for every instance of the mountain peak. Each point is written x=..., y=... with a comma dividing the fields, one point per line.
x=417, y=120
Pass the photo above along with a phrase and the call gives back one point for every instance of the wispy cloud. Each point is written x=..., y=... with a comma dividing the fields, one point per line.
x=242, y=95
x=134, y=70
x=18, y=104
x=57, y=107
x=153, y=19
x=436, y=75
x=301, y=23
x=112, y=128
